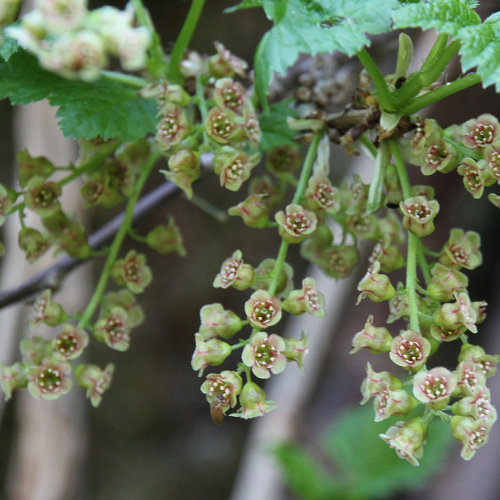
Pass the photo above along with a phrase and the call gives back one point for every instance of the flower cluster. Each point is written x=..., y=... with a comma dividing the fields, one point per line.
x=74, y=42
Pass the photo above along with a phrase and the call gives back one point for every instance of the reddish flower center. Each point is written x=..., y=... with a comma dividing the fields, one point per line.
x=67, y=344
x=266, y=354
x=297, y=223
x=410, y=351
x=483, y=134
x=49, y=380
x=435, y=387
x=264, y=311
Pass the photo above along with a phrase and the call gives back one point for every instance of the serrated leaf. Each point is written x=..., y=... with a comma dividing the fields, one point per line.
x=313, y=27
x=102, y=108
x=274, y=127
x=480, y=46
x=372, y=467
x=446, y=16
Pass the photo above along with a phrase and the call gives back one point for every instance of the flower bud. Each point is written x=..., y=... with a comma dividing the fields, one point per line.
x=265, y=276
x=388, y=255
x=444, y=282
x=74, y=241
x=271, y=195
x=306, y=300
x=253, y=210
x=443, y=334
x=50, y=380
x=410, y=349
x=184, y=169
x=210, y=352
x=132, y=272
x=434, y=387
x=32, y=243
x=377, y=287
x=338, y=261
x=35, y=349
x=12, y=377
x=265, y=354
x=407, y=439
x=253, y=402
x=30, y=166
x=375, y=339
x=217, y=321
x=165, y=239
x=418, y=215
x=233, y=167
x=234, y=272
x=225, y=64
x=95, y=380
x=283, y=159
x=296, y=350
x=262, y=309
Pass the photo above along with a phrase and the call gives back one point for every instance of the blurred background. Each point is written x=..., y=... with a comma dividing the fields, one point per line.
x=152, y=438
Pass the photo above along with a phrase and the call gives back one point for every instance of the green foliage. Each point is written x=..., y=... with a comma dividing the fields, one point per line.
x=273, y=124
x=446, y=16
x=480, y=47
x=302, y=26
x=368, y=468
x=8, y=46
x=103, y=108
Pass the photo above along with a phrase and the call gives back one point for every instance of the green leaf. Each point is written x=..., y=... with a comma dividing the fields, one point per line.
x=274, y=127
x=480, y=46
x=372, y=468
x=305, y=477
x=313, y=27
x=8, y=47
x=102, y=108
x=446, y=16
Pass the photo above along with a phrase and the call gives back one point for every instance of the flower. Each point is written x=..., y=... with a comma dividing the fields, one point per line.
x=407, y=439
x=33, y=243
x=481, y=131
x=434, y=387
x=12, y=377
x=234, y=272
x=114, y=329
x=475, y=176
x=50, y=380
x=418, y=215
x=132, y=272
x=410, y=349
x=165, y=239
x=233, y=167
x=225, y=64
x=296, y=223
x=45, y=310
x=296, y=350
x=210, y=352
x=184, y=169
x=471, y=433
x=306, y=300
x=42, y=197
x=172, y=127
x=376, y=286
x=70, y=343
x=444, y=282
x=95, y=380
x=217, y=321
x=462, y=250
x=265, y=354
x=262, y=309
x=221, y=390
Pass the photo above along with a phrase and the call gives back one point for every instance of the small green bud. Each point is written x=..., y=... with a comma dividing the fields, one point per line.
x=74, y=241
x=45, y=310
x=338, y=261
x=210, y=352
x=225, y=64
x=375, y=339
x=444, y=282
x=165, y=239
x=253, y=210
x=7, y=198
x=12, y=377
x=455, y=314
x=283, y=159
x=253, y=402
x=35, y=349
x=377, y=287
x=32, y=243
x=184, y=169
x=30, y=166
x=217, y=321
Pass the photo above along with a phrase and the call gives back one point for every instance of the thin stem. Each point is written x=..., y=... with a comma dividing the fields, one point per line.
x=386, y=100
x=413, y=241
x=117, y=242
x=368, y=145
x=299, y=193
x=173, y=68
x=208, y=208
x=133, y=81
x=440, y=93
x=374, y=201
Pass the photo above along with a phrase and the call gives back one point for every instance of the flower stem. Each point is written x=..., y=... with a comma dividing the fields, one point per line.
x=118, y=240
x=173, y=68
x=299, y=193
x=133, y=81
x=413, y=241
x=440, y=93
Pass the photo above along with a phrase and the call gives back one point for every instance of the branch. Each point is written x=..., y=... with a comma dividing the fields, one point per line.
x=52, y=277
